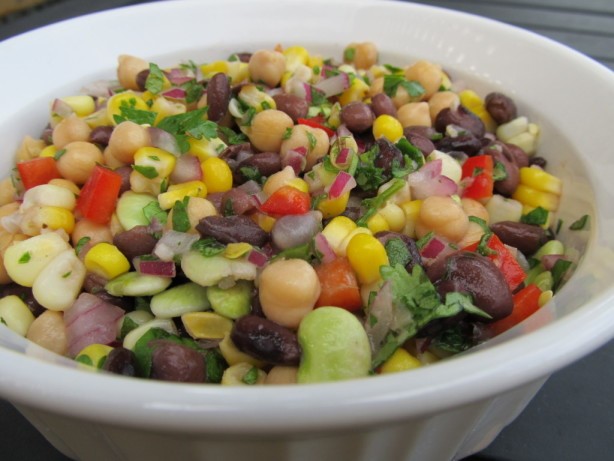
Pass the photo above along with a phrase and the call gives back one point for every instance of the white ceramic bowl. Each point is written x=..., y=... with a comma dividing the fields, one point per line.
x=444, y=411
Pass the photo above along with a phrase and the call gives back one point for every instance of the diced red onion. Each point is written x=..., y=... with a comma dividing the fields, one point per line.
x=295, y=159
x=382, y=310
x=343, y=182
x=179, y=76
x=549, y=261
x=433, y=247
x=61, y=108
x=187, y=168
x=164, y=140
x=343, y=156
x=98, y=89
x=241, y=201
x=174, y=243
x=174, y=93
x=334, y=85
x=323, y=247
x=342, y=131
x=159, y=268
x=90, y=320
x=257, y=258
x=428, y=181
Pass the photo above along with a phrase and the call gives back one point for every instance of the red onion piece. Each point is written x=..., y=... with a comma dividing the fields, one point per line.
x=179, y=76
x=98, y=89
x=323, y=247
x=257, y=258
x=159, y=268
x=334, y=85
x=381, y=309
x=343, y=182
x=174, y=243
x=187, y=168
x=295, y=159
x=241, y=201
x=250, y=187
x=164, y=140
x=175, y=93
x=342, y=158
x=342, y=131
x=428, y=181
x=549, y=261
x=61, y=108
x=433, y=248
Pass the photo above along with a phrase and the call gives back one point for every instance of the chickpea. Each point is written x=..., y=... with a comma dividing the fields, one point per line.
x=78, y=161
x=127, y=70
x=414, y=114
x=281, y=375
x=474, y=230
x=268, y=129
x=66, y=184
x=362, y=55
x=71, y=129
x=267, y=66
x=6, y=240
x=279, y=179
x=443, y=216
x=428, y=74
x=97, y=233
x=110, y=160
x=377, y=86
x=288, y=291
x=198, y=208
x=442, y=100
x=48, y=331
x=126, y=139
x=29, y=149
x=314, y=140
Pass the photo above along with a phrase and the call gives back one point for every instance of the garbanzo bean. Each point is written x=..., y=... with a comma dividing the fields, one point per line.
x=267, y=66
x=428, y=74
x=97, y=233
x=126, y=139
x=198, y=208
x=7, y=191
x=414, y=114
x=66, y=184
x=71, y=129
x=30, y=148
x=474, y=230
x=314, y=140
x=268, y=128
x=48, y=331
x=288, y=290
x=442, y=100
x=363, y=55
x=78, y=161
x=127, y=70
x=281, y=375
x=443, y=216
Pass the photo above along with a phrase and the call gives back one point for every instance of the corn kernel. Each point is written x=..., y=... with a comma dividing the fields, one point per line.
x=125, y=99
x=206, y=325
x=236, y=250
x=333, y=207
x=36, y=219
x=475, y=104
x=545, y=297
x=251, y=95
x=337, y=230
x=210, y=69
x=217, y=175
x=265, y=221
x=82, y=105
x=48, y=151
x=386, y=126
x=299, y=183
x=204, y=148
x=94, y=355
x=411, y=209
x=536, y=198
x=237, y=71
x=154, y=163
x=295, y=55
x=377, y=223
x=233, y=355
x=180, y=191
x=366, y=254
x=401, y=360
x=106, y=260
x=14, y=313
x=357, y=91
x=540, y=180
x=394, y=216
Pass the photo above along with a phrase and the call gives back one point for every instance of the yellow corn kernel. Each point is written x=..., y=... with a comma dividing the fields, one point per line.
x=206, y=325
x=401, y=360
x=412, y=212
x=210, y=69
x=217, y=175
x=98, y=118
x=386, y=126
x=337, y=230
x=472, y=101
x=545, y=297
x=331, y=207
x=394, y=216
x=14, y=313
x=106, y=260
x=366, y=254
x=237, y=71
x=315, y=61
x=295, y=56
x=154, y=163
x=236, y=250
x=540, y=180
x=94, y=355
x=38, y=218
x=526, y=209
x=125, y=99
x=377, y=223
x=533, y=197
x=48, y=151
x=357, y=91
x=204, y=148
x=82, y=105
x=180, y=191
x=235, y=375
x=342, y=250
x=165, y=107
x=233, y=355
x=251, y=95
x=265, y=221
x=299, y=183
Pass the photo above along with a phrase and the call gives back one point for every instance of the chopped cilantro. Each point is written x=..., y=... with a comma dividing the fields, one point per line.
x=480, y=222
x=192, y=123
x=251, y=377
x=252, y=173
x=65, y=275
x=265, y=105
x=397, y=252
x=152, y=211
x=367, y=175
x=318, y=97
x=190, y=66
x=558, y=272
x=373, y=204
x=127, y=326
x=393, y=69
x=193, y=91
x=229, y=209
x=411, y=151
x=208, y=247
x=312, y=140
x=499, y=172
x=349, y=54
x=231, y=136
x=181, y=220
x=580, y=224
x=81, y=243
x=155, y=79
x=287, y=134
x=59, y=154
x=128, y=111
x=148, y=171
x=537, y=216
x=25, y=258
x=393, y=81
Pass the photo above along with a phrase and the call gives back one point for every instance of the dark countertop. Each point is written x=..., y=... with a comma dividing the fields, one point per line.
x=572, y=417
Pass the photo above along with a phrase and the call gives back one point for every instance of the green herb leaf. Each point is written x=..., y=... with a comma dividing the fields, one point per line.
x=580, y=224
x=231, y=136
x=287, y=134
x=152, y=211
x=560, y=268
x=193, y=91
x=127, y=326
x=421, y=242
x=369, y=177
x=84, y=359
x=192, y=123
x=25, y=258
x=480, y=222
x=393, y=69
x=208, y=247
x=499, y=172
x=483, y=247
x=349, y=54
x=251, y=377
x=411, y=151
x=373, y=204
x=181, y=220
x=155, y=79
x=148, y=171
x=397, y=252
x=312, y=140
x=128, y=111
x=393, y=81
x=215, y=366
x=81, y=243
x=252, y=173
x=318, y=97
x=537, y=216
x=59, y=154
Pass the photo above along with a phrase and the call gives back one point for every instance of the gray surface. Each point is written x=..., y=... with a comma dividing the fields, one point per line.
x=572, y=417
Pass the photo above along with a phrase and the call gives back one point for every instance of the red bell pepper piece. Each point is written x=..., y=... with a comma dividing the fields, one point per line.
x=526, y=302
x=504, y=260
x=37, y=171
x=287, y=200
x=338, y=285
x=316, y=122
x=99, y=195
x=478, y=172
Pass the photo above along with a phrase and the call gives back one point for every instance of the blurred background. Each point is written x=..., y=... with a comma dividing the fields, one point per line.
x=572, y=417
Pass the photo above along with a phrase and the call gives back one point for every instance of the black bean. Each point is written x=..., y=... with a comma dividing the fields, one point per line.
x=381, y=104
x=266, y=340
x=175, y=362
x=502, y=155
x=292, y=105
x=461, y=117
x=218, y=96
x=265, y=163
x=135, y=242
x=121, y=361
x=357, y=116
x=500, y=107
x=521, y=159
x=101, y=135
x=389, y=154
x=527, y=238
x=477, y=275
x=243, y=56
x=232, y=229
x=465, y=142
x=420, y=141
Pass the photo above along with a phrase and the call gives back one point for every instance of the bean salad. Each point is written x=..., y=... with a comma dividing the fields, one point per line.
x=277, y=217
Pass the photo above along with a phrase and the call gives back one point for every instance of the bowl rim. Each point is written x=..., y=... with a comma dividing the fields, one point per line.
x=362, y=401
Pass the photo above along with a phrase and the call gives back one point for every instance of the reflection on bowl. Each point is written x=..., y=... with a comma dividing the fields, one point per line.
x=444, y=411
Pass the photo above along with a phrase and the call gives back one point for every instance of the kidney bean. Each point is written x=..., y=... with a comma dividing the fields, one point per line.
x=410, y=244
x=381, y=104
x=175, y=362
x=135, y=242
x=237, y=200
x=218, y=96
x=357, y=116
x=460, y=117
x=520, y=157
x=141, y=79
x=293, y=105
x=121, y=361
x=244, y=56
x=423, y=143
x=501, y=154
x=467, y=143
x=266, y=340
x=236, y=153
x=500, y=107
x=477, y=275
x=25, y=294
x=388, y=154
x=232, y=229
x=124, y=172
x=527, y=238
x=265, y=163
x=101, y=135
